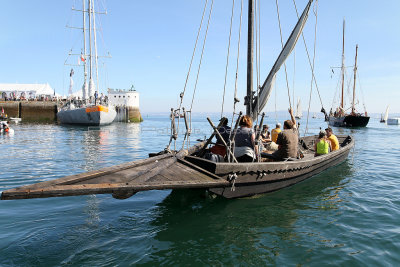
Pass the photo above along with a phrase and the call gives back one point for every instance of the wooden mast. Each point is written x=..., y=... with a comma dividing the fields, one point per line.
x=341, y=102
x=250, y=41
x=354, y=85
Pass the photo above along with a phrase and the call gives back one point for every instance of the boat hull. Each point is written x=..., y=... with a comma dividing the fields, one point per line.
x=91, y=116
x=185, y=170
x=349, y=121
x=393, y=121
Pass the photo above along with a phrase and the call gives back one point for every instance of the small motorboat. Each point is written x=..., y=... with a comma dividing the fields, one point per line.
x=393, y=121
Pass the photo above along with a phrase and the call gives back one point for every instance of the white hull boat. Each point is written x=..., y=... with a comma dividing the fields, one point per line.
x=92, y=115
x=393, y=121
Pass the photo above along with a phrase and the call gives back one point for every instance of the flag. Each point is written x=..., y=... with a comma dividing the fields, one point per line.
x=2, y=110
x=82, y=58
x=71, y=73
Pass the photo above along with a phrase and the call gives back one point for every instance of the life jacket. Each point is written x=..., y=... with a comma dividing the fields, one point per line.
x=322, y=147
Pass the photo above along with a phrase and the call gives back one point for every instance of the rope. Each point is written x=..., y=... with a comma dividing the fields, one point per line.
x=227, y=57
x=313, y=65
x=362, y=93
x=191, y=62
x=280, y=31
x=235, y=99
x=308, y=56
x=201, y=58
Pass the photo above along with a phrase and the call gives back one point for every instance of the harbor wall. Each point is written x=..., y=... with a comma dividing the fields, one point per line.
x=31, y=111
x=46, y=111
x=128, y=114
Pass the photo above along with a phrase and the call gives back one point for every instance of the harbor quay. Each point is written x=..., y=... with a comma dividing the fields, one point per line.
x=46, y=111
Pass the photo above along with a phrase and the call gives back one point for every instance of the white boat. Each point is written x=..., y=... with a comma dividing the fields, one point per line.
x=88, y=112
x=15, y=120
x=385, y=118
x=393, y=121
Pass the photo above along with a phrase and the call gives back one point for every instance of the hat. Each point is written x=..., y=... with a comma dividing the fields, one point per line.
x=322, y=133
x=278, y=125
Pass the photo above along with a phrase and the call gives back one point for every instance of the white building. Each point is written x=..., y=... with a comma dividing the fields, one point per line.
x=127, y=98
x=26, y=90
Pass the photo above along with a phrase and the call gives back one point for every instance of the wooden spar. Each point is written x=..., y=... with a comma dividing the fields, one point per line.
x=222, y=140
x=203, y=150
x=250, y=52
x=354, y=85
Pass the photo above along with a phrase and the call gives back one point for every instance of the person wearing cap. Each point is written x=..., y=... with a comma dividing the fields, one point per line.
x=322, y=145
x=265, y=134
x=332, y=138
x=224, y=130
x=275, y=132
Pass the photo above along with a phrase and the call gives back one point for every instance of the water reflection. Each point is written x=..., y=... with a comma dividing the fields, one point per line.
x=196, y=227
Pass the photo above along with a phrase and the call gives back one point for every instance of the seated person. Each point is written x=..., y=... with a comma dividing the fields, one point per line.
x=225, y=131
x=322, y=146
x=275, y=132
x=332, y=138
x=245, y=141
x=287, y=141
x=265, y=134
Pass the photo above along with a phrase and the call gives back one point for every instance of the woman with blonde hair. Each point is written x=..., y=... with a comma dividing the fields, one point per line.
x=245, y=141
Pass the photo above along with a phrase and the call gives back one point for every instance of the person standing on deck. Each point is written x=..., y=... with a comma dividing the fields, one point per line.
x=332, y=138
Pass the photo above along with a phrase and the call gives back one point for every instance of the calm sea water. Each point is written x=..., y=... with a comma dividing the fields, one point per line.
x=348, y=215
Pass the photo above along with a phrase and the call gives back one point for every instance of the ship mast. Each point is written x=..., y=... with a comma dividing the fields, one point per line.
x=341, y=102
x=85, y=86
x=90, y=51
x=250, y=42
x=354, y=86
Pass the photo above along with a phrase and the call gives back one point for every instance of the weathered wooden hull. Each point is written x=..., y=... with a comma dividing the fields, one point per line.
x=349, y=121
x=185, y=170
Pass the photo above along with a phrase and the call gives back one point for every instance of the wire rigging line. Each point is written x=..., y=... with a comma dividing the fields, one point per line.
x=280, y=31
x=235, y=99
x=201, y=56
x=308, y=56
x=227, y=58
x=313, y=63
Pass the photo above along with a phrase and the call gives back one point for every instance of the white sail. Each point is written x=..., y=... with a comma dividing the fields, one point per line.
x=386, y=114
x=299, y=113
x=266, y=88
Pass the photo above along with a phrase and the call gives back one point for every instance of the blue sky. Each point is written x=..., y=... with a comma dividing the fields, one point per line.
x=151, y=43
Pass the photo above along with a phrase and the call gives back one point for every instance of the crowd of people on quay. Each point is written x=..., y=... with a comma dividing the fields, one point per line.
x=274, y=145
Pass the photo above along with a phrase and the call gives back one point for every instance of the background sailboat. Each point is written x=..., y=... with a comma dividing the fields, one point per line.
x=385, y=117
x=340, y=118
x=87, y=111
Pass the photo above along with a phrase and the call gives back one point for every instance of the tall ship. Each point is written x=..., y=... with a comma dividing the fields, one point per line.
x=340, y=117
x=89, y=109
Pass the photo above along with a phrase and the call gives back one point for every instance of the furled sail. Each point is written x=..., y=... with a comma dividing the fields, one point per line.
x=266, y=88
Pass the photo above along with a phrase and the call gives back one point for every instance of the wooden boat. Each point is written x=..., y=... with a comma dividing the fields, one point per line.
x=340, y=118
x=188, y=169
x=185, y=170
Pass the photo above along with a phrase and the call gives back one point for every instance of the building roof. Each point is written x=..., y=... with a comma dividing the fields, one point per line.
x=38, y=88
